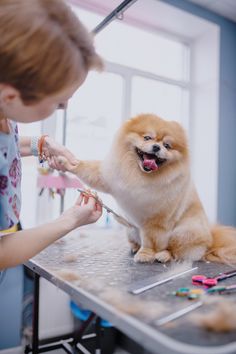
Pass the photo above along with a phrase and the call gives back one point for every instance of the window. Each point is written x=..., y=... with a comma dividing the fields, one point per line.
x=94, y=114
x=150, y=95
x=143, y=50
x=155, y=67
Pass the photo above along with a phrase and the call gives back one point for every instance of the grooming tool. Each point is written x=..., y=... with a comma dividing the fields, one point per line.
x=222, y=289
x=178, y=314
x=181, y=292
x=191, y=294
x=209, y=282
x=118, y=217
x=140, y=290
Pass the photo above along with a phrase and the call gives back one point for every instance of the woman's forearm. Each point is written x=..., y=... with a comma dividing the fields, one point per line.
x=25, y=146
x=18, y=247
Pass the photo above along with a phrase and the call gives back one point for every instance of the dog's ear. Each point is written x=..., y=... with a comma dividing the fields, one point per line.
x=180, y=136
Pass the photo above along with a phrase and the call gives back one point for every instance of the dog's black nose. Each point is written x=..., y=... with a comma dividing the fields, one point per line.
x=156, y=148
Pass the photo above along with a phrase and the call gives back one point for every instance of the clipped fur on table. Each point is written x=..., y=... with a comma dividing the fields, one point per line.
x=220, y=319
x=123, y=301
x=131, y=305
x=68, y=275
x=71, y=257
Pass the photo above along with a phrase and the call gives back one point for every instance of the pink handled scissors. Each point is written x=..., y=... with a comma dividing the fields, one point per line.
x=209, y=282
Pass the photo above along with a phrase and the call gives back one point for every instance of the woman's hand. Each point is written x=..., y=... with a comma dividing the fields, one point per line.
x=86, y=210
x=53, y=152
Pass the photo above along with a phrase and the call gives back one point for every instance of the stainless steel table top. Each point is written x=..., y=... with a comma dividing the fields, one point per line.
x=96, y=268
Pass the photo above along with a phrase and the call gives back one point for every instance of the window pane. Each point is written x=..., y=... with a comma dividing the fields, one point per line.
x=94, y=115
x=140, y=49
x=167, y=101
x=128, y=45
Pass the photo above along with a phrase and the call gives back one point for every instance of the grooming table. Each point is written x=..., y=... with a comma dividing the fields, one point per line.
x=104, y=262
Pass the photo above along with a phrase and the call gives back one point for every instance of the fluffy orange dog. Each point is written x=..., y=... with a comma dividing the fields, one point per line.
x=148, y=173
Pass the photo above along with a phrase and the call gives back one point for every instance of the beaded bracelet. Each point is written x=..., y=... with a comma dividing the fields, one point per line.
x=34, y=145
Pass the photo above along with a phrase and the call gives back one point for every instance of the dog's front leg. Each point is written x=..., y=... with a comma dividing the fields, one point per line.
x=146, y=253
x=90, y=172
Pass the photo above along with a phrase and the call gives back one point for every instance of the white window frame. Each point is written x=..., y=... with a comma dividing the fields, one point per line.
x=128, y=73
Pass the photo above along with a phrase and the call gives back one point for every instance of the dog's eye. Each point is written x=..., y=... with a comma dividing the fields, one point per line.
x=167, y=146
x=147, y=137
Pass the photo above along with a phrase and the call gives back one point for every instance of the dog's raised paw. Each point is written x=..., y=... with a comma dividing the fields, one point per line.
x=163, y=256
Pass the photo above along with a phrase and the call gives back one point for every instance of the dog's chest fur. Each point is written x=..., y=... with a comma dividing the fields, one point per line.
x=137, y=204
x=145, y=201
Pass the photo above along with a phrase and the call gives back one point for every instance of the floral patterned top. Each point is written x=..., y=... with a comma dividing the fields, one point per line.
x=10, y=177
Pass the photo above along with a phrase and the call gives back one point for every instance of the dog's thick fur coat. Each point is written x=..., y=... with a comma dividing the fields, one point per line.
x=148, y=173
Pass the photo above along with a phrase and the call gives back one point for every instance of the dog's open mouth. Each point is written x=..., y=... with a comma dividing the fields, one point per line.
x=149, y=162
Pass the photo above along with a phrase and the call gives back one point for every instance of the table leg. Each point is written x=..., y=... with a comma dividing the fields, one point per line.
x=98, y=349
x=35, y=325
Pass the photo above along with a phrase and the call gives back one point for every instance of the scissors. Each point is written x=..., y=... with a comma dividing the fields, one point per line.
x=222, y=289
x=118, y=217
x=209, y=282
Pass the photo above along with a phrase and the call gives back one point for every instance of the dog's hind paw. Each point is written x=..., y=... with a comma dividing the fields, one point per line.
x=144, y=255
x=163, y=256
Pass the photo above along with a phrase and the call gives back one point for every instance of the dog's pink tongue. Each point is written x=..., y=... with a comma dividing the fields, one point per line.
x=150, y=163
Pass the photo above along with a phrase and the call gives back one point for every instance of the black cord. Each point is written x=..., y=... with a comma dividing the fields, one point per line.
x=119, y=10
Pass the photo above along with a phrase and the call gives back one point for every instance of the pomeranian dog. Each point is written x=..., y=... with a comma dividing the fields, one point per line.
x=147, y=171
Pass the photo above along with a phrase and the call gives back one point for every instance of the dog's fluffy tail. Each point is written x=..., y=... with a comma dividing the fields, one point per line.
x=223, y=249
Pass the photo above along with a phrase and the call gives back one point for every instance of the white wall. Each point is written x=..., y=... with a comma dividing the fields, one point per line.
x=204, y=113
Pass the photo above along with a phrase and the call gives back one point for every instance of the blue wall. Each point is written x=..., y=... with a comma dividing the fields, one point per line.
x=227, y=123
x=11, y=294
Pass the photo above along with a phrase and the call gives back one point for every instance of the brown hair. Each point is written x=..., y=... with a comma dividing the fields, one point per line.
x=43, y=47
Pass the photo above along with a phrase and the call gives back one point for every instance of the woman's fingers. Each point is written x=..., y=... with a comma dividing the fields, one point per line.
x=79, y=199
x=91, y=201
x=98, y=207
